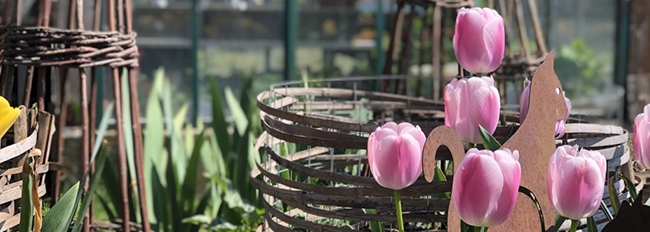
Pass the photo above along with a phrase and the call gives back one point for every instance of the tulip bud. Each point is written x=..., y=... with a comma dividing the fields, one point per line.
x=470, y=102
x=479, y=39
x=485, y=186
x=524, y=101
x=642, y=138
x=576, y=181
x=395, y=154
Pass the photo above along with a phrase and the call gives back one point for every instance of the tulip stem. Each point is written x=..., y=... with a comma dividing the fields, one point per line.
x=398, y=206
x=574, y=225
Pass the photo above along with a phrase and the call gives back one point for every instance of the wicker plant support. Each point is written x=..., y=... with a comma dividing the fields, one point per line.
x=30, y=140
x=321, y=120
x=43, y=46
x=46, y=50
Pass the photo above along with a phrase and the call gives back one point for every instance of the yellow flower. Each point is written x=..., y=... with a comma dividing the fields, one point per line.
x=8, y=116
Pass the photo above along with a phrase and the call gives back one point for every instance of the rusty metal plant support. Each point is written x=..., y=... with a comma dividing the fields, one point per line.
x=324, y=121
x=43, y=48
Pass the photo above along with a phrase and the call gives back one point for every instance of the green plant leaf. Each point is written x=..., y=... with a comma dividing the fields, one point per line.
x=489, y=142
x=219, y=124
x=591, y=224
x=106, y=205
x=58, y=218
x=26, y=203
x=374, y=225
x=559, y=220
x=92, y=187
x=127, y=125
x=188, y=192
x=532, y=197
x=112, y=186
x=613, y=197
x=440, y=176
x=237, y=113
x=630, y=187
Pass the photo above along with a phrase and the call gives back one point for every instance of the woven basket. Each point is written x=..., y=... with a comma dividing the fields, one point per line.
x=28, y=141
x=315, y=141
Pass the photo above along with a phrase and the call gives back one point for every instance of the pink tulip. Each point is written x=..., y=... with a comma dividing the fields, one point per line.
x=486, y=185
x=642, y=138
x=395, y=154
x=576, y=181
x=524, y=101
x=479, y=40
x=470, y=102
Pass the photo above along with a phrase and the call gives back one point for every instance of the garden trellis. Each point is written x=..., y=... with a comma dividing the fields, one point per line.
x=57, y=54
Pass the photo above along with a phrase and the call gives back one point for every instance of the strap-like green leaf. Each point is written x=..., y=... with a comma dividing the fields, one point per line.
x=26, y=203
x=605, y=210
x=94, y=181
x=58, y=218
x=613, y=196
x=591, y=224
x=489, y=142
x=630, y=187
x=374, y=225
x=559, y=220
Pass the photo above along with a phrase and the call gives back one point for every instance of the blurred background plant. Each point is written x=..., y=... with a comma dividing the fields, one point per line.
x=197, y=176
x=579, y=70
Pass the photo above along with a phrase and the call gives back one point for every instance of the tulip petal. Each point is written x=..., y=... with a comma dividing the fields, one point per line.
x=585, y=181
x=494, y=35
x=452, y=102
x=486, y=107
x=410, y=160
x=386, y=156
x=642, y=138
x=468, y=41
x=476, y=187
x=511, y=171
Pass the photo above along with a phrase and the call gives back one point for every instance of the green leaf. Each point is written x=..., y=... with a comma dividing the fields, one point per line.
x=92, y=187
x=613, y=196
x=489, y=142
x=237, y=113
x=181, y=115
x=26, y=203
x=630, y=187
x=188, y=193
x=591, y=224
x=128, y=144
x=559, y=220
x=440, y=176
x=111, y=184
x=605, y=210
x=242, y=167
x=219, y=124
x=106, y=205
x=532, y=196
x=374, y=225
x=58, y=218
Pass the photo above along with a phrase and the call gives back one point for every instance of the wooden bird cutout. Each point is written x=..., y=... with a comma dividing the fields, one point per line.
x=535, y=141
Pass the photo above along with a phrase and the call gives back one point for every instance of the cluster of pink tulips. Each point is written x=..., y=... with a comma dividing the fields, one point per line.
x=486, y=184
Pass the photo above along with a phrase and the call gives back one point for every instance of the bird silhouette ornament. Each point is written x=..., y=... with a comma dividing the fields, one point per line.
x=535, y=141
